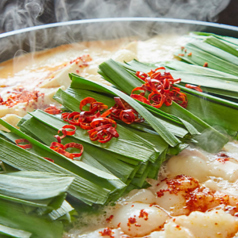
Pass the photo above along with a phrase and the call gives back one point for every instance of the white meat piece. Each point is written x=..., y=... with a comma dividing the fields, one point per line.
x=213, y=224
x=157, y=234
x=224, y=186
x=171, y=193
x=173, y=230
x=60, y=78
x=139, y=219
x=227, y=170
x=190, y=162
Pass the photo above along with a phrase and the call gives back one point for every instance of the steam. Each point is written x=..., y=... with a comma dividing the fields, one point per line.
x=26, y=13
x=18, y=14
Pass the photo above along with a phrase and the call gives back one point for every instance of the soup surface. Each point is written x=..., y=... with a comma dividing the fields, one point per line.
x=196, y=194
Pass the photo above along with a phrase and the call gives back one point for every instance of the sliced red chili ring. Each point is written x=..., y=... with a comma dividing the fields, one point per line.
x=113, y=131
x=74, y=119
x=88, y=116
x=141, y=75
x=58, y=138
x=127, y=116
x=53, y=110
x=66, y=132
x=168, y=101
x=166, y=85
x=119, y=103
x=23, y=143
x=65, y=153
x=156, y=75
x=156, y=84
x=56, y=146
x=160, y=68
x=102, y=121
x=115, y=113
x=107, y=113
x=93, y=135
x=139, y=89
x=77, y=146
x=98, y=106
x=65, y=115
x=176, y=89
x=85, y=101
x=85, y=125
x=176, y=80
x=104, y=136
x=140, y=98
x=99, y=128
x=157, y=98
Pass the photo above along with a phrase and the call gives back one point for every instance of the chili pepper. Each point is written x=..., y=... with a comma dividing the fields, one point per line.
x=161, y=89
x=23, y=143
x=197, y=88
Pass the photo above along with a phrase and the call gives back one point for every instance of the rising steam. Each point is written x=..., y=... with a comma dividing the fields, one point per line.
x=25, y=13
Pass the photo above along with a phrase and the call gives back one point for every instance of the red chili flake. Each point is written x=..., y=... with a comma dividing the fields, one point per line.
x=190, y=54
x=182, y=47
x=205, y=64
x=21, y=95
x=197, y=88
x=81, y=60
x=160, y=193
x=223, y=160
x=131, y=220
x=51, y=160
x=178, y=227
x=77, y=71
x=109, y=218
x=23, y=143
x=107, y=232
x=180, y=54
x=222, y=154
x=53, y=110
x=143, y=214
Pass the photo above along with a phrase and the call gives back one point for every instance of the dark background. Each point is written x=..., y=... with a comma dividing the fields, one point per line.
x=17, y=14
x=230, y=14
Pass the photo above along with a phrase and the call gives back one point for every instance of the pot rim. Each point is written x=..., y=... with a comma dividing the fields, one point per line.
x=118, y=19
